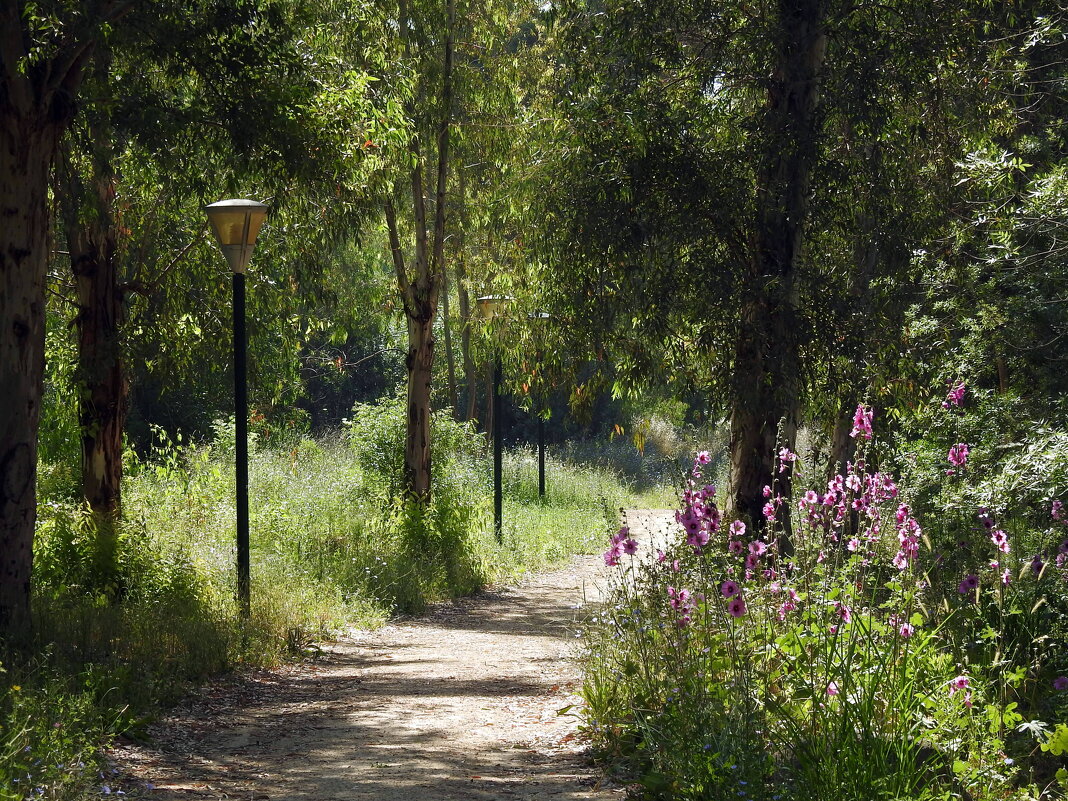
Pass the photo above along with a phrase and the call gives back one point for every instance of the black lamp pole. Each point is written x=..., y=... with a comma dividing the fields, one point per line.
x=236, y=224
x=497, y=428
x=541, y=456
x=241, y=420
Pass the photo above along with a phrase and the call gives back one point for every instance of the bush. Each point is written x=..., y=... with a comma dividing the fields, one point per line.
x=845, y=656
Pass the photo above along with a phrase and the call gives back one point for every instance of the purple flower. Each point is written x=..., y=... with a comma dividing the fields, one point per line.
x=955, y=396
x=737, y=528
x=958, y=455
x=1060, y=683
x=729, y=589
x=969, y=584
x=862, y=423
x=611, y=556
x=757, y=547
x=630, y=546
x=736, y=547
x=736, y=607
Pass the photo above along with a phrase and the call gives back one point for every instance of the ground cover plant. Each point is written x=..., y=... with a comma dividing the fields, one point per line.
x=854, y=651
x=333, y=545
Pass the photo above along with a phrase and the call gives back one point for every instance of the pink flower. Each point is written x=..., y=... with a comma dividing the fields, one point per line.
x=1056, y=510
x=1006, y=577
x=1000, y=540
x=969, y=584
x=843, y=612
x=736, y=547
x=751, y=561
x=769, y=511
x=621, y=535
x=832, y=688
x=853, y=544
x=905, y=630
x=959, y=683
x=675, y=566
x=955, y=396
x=630, y=547
x=737, y=528
x=862, y=423
x=1060, y=683
x=729, y=589
x=611, y=556
x=958, y=454
x=757, y=547
x=767, y=491
x=703, y=458
x=660, y=555
x=736, y=607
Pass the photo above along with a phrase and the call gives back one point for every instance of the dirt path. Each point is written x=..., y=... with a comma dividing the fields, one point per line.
x=460, y=705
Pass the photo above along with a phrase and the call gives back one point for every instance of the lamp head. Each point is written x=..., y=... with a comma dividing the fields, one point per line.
x=492, y=306
x=236, y=223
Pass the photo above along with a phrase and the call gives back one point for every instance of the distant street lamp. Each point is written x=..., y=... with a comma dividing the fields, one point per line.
x=539, y=320
x=236, y=224
x=489, y=308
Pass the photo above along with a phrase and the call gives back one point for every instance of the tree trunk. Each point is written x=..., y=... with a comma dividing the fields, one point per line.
x=26, y=150
x=470, y=376
x=767, y=370
x=450, y=357
x=420, y=363
x=103, y=399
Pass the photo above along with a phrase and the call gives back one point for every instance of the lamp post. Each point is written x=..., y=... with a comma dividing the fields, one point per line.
x=538, y=319
x=236, y=224
x=489, y=308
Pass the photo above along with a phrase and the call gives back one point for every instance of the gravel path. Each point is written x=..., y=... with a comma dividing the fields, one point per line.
x=459, y=705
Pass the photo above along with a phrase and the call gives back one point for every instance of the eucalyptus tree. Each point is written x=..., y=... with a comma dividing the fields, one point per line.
x=442, y=82
x=44, y=48
x=710, y=159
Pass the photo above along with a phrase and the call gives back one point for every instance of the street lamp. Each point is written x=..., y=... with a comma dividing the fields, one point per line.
x=236, y=224
x=539, y=321
x=489, y=308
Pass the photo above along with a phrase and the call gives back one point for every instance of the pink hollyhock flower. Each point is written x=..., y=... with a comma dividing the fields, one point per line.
x=660, y=555
x=736, y=547
x=611, y=556
x=1056, y=510
x=767, y=491
x=729, y=589
x=703, y=458
x=675, y=566
x=736, y=607
x=621, y=535
x=1060, y=683
x=1006, y=577
x=969, y=584
x=630, y=546
x=832, y=688
x=958, y=454
x=905, y=630
x=862, y=423
x=769, y=511
x=786, y=608
x=737, y=528
x=757, y=547
x=959, y=683
x=843, y=612
x=1000, y=540
x=751, y=561
x=955, y=396
x=853, y=544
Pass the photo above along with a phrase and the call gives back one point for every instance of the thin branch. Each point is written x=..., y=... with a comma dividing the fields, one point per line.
x=398, y=260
